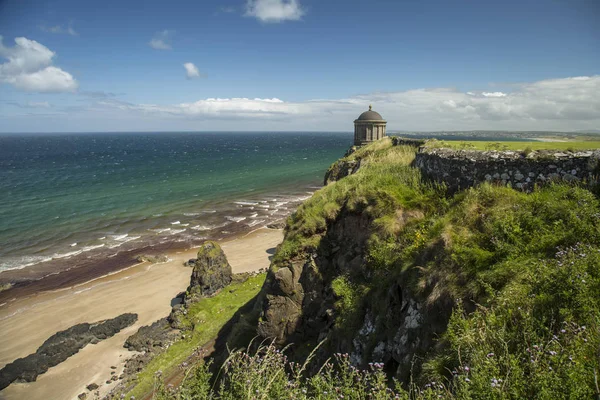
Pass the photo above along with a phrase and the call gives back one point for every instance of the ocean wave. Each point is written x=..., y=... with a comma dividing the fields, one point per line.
x=255, y=222
x=160, y=230
x=175, y=223
x=234, y=219
x=93, y=247
x=123, y=241
x=254, y=215
x=73, y=244
x=23, y=262
x=245, y=203
x=66, y=255
x=119, y=237
x=176, y=231
x=191, y=214
x=209, y=211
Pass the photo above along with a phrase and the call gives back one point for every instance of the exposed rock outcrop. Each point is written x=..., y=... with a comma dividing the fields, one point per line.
x=151, y=337
x=212, y=271
x=61, y=346
x=341, y=169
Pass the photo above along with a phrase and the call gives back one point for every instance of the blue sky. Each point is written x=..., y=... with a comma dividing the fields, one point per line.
x=298, y=64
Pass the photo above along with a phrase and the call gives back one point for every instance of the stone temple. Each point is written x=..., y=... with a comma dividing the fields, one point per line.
x=368, y=127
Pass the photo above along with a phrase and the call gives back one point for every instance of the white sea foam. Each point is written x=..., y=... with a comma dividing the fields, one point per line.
x=123, y=241
x=208, y=227
x=160, y=230
x=176, y=231
x=209, y=211
x=245, y=203
x=255, y=222
x=119, y=237
x=89, y=248
x=254, y=215
x=234, y=219
x=191, y=214
x=175, y=223
x=73, y=244
x=66, y=255
x=22, y=262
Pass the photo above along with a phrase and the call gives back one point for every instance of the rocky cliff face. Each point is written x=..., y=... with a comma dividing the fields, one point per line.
x=333, y=293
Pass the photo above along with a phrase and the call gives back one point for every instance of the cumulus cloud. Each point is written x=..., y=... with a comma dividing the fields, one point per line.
x=191, y=71
x=29, y=68
x=557, y=104
x=274, y=10
x=162, y=40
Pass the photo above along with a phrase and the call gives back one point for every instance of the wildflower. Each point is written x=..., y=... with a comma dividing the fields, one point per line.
x=552, y=352
x=489, y=355
x=563, y=331
x=467, y=369
x=467, y=380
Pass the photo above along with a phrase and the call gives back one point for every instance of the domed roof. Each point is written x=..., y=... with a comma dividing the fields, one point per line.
x=370, y=116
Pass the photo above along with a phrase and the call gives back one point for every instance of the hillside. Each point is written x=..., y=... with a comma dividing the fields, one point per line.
x=391, y=287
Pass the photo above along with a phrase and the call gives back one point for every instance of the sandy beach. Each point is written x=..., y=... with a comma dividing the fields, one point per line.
x=145, y=289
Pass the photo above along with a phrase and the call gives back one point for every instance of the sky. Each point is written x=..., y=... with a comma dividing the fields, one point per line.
x=298, y=65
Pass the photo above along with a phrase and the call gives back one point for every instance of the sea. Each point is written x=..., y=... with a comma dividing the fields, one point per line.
x=96, y=201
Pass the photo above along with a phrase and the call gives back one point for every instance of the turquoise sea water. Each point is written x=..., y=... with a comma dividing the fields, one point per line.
x=80, y=196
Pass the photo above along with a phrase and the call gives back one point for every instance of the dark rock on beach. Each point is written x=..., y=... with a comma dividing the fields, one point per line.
x=159, y=258
x=61, y=346
x=149, y=338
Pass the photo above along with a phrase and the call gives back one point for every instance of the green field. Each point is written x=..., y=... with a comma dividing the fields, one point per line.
x=491, y=145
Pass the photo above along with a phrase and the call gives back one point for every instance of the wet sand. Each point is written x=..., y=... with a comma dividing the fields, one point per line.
x=145, y=289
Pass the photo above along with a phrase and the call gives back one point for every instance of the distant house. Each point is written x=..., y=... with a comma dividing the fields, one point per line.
x=368, y=127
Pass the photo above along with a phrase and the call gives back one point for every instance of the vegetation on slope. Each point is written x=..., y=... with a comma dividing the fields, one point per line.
x=521, y=273
x=208, y=316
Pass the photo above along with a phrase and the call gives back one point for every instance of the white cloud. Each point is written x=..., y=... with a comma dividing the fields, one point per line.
x=162, y=40
x=558, y=104
x=59, y=29
x=493, y=94
x=31, y=104
x=191, y=70
x=29, y=68
x=274, y=10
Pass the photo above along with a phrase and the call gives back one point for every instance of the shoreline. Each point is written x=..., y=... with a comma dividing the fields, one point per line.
x=30, y=281
x=141, y=288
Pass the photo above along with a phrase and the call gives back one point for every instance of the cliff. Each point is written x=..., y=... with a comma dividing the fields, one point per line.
x=387, y=265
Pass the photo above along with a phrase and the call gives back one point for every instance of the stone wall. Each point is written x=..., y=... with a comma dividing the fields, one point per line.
x=460, y=169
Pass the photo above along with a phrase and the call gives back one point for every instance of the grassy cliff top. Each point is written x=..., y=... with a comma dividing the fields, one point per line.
x=516, y=146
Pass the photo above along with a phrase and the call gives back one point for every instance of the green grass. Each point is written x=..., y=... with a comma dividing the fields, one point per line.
x=490, y=145
x=208, y=316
